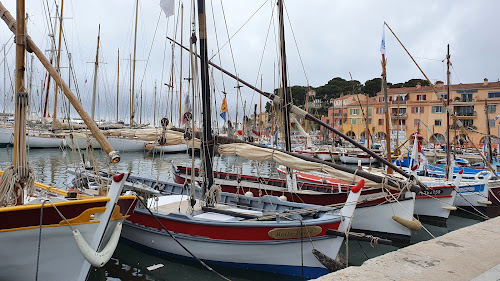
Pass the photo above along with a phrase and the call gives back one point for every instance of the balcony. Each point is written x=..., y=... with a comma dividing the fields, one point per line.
x=401, y=127
x=399, y=116
x=466, y=114
x=399, y=102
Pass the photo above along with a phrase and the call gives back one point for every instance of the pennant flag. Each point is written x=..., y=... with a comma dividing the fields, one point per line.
x=168, y=7
x=496, y=117
x=223, y=109
x=382, y=44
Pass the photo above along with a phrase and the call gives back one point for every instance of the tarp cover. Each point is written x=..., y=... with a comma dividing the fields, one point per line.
x=251, y=152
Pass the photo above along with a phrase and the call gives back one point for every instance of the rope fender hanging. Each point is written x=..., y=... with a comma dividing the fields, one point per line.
x=98, y=259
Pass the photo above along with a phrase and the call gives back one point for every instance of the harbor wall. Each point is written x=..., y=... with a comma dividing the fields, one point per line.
x=464, y=254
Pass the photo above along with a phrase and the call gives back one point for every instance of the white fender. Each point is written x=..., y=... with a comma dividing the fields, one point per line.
x=98, y=259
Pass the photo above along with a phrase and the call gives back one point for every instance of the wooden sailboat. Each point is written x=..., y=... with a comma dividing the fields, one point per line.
x=261, y=233
x=35, y=219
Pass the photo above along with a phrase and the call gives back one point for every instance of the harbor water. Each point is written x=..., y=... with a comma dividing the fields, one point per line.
x=130, y=262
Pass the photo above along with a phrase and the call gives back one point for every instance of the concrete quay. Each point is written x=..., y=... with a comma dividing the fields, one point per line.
x=469, y=253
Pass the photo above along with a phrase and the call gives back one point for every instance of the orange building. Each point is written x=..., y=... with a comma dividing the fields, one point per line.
x=419, y=108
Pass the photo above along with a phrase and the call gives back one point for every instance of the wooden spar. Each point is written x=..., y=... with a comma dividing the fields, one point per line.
x=387, y=120
x=310, y=117
x=448, y=149
x=367, y=123
x=21, y=98
x=307, y=122
x=132, y=99
x=260, y=110
x=117, y=85
x=96, y=68
x=487, y=139
x=207, y=140
x=32, y=47
x=180, y=74
x=54, y=115
x=154, y=109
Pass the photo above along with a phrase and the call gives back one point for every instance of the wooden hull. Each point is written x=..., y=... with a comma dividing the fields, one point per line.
x=20, y=237
x=373, y=213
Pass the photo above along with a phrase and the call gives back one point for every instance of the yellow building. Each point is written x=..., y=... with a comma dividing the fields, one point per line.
x=419, y=108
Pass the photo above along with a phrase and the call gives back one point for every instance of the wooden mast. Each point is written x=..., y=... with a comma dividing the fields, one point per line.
x=112, y=154
x=487, y=139
x=207, y=140
x=448, y=160
x=132, y=113
x=117, y=85
x=180, y=75
x=260, y=110
x=367, y=123
x=154, y=109
x=286, y=94
x=96, y=68
x=384, y=89
x=54, y=115
x=21, y=99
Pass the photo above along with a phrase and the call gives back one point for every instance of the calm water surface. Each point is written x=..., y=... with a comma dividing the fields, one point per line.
x=130, y=263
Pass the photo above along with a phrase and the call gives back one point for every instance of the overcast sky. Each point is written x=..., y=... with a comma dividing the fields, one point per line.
x=333, y=38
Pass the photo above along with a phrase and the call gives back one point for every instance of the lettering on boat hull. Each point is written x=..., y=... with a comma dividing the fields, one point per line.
x=294, y=232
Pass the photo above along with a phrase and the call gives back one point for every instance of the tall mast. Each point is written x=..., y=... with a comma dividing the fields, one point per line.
x=384, y=89
x=58, y=57
x=367, y=123
x=140, y=116
x=4, y=77
x=285, y=105
x=487, y=139
x=448, y=112
x=207, y=139
x=96, y=67
x=154, y=109
x=21, y=101
x=180, y=75
x=132, y=113
x=117, y=85
x=307, y=122
x=260, y=109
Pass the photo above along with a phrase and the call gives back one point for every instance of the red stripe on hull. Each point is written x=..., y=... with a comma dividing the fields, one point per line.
x=235, y=233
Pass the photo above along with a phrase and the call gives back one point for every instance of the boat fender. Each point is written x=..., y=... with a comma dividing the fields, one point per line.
x=413, y=225
x=283, y=198
x=450, y=208
x=248, y=194
x=484, y=202
x=98, y=259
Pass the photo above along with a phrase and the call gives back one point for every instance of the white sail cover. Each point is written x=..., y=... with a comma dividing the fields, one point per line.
x=168, y=7
x=251, y=152
x=152, y=134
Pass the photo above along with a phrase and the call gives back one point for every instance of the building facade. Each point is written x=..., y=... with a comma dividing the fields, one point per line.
x=419, y=109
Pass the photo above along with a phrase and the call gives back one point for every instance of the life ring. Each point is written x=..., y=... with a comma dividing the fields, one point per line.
x=487, y=175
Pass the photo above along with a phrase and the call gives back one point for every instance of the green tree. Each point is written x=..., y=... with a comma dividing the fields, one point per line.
x=372, y=87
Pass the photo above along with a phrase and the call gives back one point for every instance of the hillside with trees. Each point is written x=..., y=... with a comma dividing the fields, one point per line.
x=337, y=86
